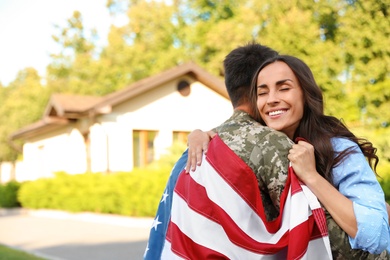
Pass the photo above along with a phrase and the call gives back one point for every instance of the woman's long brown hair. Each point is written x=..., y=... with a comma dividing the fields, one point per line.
x=316, y=127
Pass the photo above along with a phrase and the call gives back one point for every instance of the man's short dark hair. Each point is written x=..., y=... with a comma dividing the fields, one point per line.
x=240, y=65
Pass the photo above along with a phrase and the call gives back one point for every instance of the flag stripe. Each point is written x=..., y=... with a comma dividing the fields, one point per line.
x=189, y=249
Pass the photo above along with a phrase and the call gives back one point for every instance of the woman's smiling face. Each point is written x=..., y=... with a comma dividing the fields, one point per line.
x=280, y=98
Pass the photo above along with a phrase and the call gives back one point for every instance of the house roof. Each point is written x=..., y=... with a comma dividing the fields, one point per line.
x=157, y=80
x=70, y=106
x=63, y=108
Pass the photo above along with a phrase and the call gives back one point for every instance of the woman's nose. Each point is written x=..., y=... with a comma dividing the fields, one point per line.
x=272, y=98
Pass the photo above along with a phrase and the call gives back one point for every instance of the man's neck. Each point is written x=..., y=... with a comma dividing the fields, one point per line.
x=243, y=107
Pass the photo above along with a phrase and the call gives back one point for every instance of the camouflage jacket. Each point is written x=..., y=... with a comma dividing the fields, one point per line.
x=262, y=149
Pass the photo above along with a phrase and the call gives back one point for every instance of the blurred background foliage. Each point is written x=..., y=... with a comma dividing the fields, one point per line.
x=345, y=42
x=135, y=193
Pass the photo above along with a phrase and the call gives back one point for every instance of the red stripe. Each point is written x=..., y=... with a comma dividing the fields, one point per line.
x=299, y=239
x=320, y=217
x=183, y=246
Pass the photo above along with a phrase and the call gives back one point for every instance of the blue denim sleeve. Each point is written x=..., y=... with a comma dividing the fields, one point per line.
x=355, y=179
x=160, y=224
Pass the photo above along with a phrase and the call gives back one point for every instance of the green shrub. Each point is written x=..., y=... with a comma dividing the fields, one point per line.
x=142, y=192
x=8, y=195
x=135, y=193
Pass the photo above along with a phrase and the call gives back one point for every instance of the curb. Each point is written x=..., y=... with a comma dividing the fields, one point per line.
x=117, y=220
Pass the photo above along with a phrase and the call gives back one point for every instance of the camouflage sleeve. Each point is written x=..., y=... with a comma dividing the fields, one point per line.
x=275, y=168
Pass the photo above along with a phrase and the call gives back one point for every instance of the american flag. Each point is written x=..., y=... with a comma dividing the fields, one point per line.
x=218, y=214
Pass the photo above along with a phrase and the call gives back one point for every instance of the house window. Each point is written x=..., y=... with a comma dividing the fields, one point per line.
x=180, y=137
x=143, y=149
x=184, y=88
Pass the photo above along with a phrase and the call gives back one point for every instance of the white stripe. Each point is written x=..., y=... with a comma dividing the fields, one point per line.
x=312, y=199
x=301, y=209
x=167, y=253
x=318, y=250
x=315, y=204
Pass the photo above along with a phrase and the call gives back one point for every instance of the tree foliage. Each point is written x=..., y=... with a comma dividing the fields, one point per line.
x=345, y=42
x=22, y=103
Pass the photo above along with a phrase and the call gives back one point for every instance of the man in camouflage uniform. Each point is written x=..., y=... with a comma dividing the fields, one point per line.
x=264, y=150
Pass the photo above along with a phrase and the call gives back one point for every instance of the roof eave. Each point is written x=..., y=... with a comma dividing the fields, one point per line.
x=42, y=126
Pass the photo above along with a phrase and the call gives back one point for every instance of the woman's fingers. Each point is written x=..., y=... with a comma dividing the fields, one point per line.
x=195, y=156
x=197, y=143
x=302, y=159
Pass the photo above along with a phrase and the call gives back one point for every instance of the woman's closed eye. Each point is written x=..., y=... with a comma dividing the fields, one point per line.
x=262, y=90
x=284, y=88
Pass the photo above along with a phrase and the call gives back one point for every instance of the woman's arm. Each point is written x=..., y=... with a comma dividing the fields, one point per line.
x=302, y=160
x=357, y=204
x=198, y=142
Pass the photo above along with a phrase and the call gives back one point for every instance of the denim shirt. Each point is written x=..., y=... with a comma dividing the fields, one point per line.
x=356, y=180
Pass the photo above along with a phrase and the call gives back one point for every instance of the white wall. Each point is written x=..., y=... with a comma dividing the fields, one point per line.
x=61, y=150
x=13, y=171
x=7, y=170
x=75, y=153
x=163, y=110
x=203, y=109
x=98, y=145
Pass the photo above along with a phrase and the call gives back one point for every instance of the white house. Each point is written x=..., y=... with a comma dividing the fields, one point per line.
x=124, y=129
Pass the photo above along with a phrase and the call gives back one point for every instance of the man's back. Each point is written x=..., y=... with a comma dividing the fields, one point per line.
x=264, y=151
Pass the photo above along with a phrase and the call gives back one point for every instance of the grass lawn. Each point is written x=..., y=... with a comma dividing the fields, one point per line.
x=7, y=253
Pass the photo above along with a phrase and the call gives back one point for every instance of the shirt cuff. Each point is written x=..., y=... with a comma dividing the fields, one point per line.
x=373, y=232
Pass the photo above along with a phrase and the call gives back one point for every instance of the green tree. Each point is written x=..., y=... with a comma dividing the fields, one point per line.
x=148, y=44
x=364, y=36
x=74, y=68
x=22, y=103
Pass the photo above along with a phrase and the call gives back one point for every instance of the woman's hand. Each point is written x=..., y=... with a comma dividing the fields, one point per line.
x=198, y=142
x=302, y=159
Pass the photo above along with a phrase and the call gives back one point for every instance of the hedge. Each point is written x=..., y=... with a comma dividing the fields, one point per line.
x=135, y=193
x=8, y=195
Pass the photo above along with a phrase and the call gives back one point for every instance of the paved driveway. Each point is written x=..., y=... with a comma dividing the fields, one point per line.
x=63, y=236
